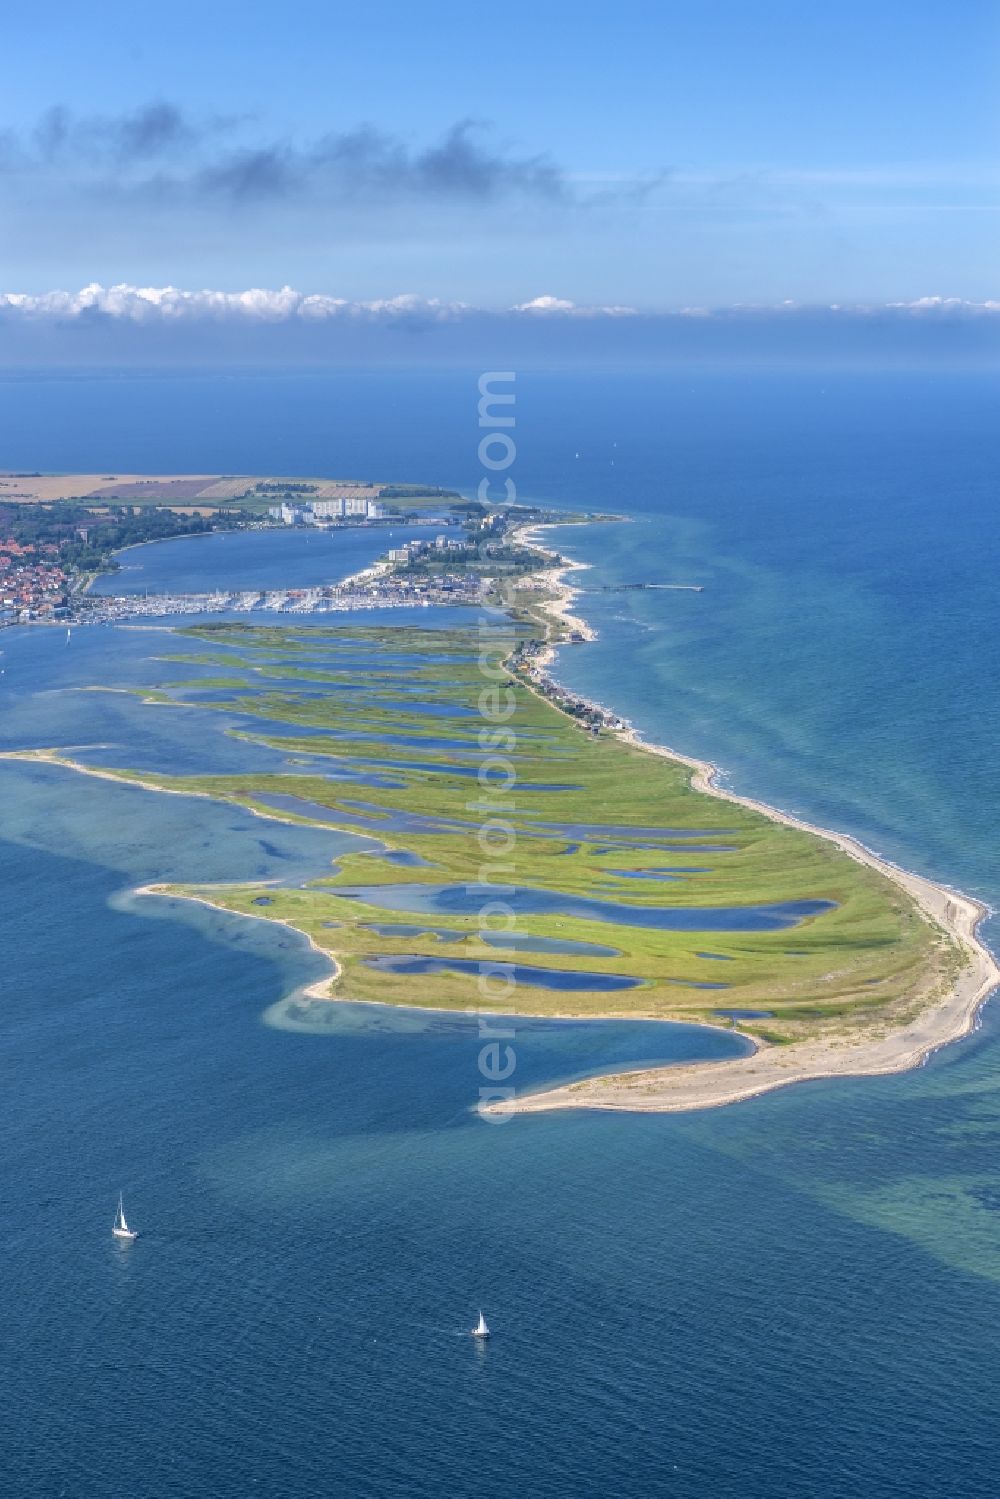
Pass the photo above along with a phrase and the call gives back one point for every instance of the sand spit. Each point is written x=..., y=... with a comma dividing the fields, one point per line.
x=701, y=1085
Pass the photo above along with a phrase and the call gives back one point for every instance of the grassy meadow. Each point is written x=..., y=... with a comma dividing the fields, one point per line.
x=405, y=705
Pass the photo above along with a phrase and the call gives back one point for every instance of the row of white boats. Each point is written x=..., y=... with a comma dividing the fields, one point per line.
x=124, y=1234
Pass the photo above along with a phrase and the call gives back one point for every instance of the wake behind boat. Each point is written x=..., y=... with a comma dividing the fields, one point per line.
x=121, y=1229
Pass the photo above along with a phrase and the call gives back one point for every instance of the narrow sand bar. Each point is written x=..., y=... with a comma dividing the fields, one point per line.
x=702, y=1085
x=562, y=594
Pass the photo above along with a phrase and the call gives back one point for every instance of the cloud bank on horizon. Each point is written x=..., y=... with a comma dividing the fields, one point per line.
x=170, y=304
x=135, y=326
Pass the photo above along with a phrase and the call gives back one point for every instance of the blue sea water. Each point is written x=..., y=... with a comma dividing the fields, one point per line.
x=305, y=557
x=797, y=1296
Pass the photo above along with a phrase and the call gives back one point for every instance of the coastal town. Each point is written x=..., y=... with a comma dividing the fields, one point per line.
x=54, y=542
x=51, y=552
x=60, y=532
x=32, y=583
x=476, y=556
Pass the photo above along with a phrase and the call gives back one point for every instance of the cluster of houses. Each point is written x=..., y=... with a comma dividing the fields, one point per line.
x=440, y=546
x=406, y=588
x=525, y=661
x=30, y=587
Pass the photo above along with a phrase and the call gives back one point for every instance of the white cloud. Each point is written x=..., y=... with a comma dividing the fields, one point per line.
x=125, y=303
x=257, y=304
x=547, y=306
x=945, y=304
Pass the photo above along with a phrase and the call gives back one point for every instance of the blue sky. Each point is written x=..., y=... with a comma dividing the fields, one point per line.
x=656, y=156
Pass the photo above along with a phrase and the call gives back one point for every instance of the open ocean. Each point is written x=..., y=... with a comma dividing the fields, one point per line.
x=797, y=1296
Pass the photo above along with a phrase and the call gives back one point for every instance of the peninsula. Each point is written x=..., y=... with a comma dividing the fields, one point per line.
x=639, y=888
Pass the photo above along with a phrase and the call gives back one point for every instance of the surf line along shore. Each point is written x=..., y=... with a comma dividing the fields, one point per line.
x=700, y=1085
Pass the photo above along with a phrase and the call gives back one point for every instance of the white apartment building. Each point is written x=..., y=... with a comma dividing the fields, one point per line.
x=345, y=505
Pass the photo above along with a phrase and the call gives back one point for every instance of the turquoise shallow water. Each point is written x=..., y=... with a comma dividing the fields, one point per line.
x=798, y=1296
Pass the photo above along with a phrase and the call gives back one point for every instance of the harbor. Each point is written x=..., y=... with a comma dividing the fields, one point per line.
x=382, y=591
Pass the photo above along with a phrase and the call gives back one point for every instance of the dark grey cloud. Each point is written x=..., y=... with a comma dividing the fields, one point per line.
x=159, y=150
x=140, y=135
x=366, y=164
x=250, y=175
x=151, y=130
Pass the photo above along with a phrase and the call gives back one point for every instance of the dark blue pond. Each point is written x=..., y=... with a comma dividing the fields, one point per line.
x=471, y=771
x=506, y=941
x=364, y=778
x=390, y=822
x=361, y=777
x=370, y=732
x=414, y=741
x=521, y=973
x=406, y=929
x=432, y=710
x=416, y=711
x=592, y=830
x=467, y=900
x=300, y=806
x=414, y=822
x=289, y=692
x=687, y=848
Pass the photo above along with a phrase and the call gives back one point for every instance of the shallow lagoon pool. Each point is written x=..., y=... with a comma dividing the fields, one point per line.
x=466, y=900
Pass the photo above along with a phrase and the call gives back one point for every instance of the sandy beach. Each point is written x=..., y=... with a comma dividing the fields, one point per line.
x=318, y=989
x=692, y=1086
x=563, y=594
x=710, y=1085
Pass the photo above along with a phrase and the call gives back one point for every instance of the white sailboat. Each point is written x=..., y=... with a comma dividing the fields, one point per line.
x=121, y=1229
x=481, y=1330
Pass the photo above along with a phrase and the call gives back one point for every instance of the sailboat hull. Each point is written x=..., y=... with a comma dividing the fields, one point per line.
x=120, y=1228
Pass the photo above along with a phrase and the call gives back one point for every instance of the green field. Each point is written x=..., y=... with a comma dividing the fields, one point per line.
x=872, y=960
